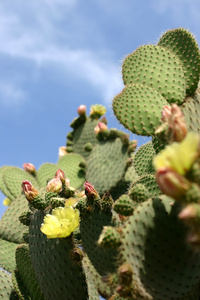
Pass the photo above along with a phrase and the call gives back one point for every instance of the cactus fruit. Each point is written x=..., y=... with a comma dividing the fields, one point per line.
x=109, y=219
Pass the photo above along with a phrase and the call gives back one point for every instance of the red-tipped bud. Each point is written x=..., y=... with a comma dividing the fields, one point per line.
x=29, y=167
x=172, y=183
x=90, y=191
x=61, y=175
x=100, y=128
x=81, y=110
x=54, y=185
x=29, y=191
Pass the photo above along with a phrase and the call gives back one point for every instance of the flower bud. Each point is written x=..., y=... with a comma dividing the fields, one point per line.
x=62, y=151
x=190, y=214
x=29, y=191
x=90, y=191
x=171, y=183
x=81, y=110
x=100, y=128
x=28, y=167
x=166, y=113
x=54, y=185
x=67, y=182
x=61, y=175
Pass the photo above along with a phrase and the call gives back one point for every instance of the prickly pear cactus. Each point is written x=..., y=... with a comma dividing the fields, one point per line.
x=108, y=219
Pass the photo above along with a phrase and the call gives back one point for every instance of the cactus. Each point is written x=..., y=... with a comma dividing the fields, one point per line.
x=106, y=219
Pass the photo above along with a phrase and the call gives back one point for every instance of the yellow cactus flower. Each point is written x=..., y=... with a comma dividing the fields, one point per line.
x=179, y=156
x=70, y=201
x=61, y=223
x=6, y=202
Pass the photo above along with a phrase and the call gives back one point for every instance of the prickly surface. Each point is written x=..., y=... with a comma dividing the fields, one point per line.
x=7, y=255
x=59, y=276
x=3, y=186
x=157, y=68
x=106, y=165
x=13, y=178
x=25, y=276
x=138, y=107
x=11, y=228
x=149, y=181
x=91, y=226
x=181, y=42
x=45, y=173
x=69, y=164
x=152, y=241
x=6, y=287
x=84, y=134
x=143, y=159
x=190, y=109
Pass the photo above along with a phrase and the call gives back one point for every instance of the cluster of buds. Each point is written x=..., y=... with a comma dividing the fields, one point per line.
x=174, y=127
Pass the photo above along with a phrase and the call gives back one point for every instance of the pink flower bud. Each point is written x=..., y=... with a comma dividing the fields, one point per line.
x=90, y=191
x=166, y=113
x=54, y=185
x=171, y=183
x=100, y=128
x=61, y=175
x=29, y=191
x=28, y=167
x=81, y=110
x=177, y=124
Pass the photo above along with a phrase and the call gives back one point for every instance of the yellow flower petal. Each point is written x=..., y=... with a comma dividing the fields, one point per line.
x=179, y=156
x=62, y=222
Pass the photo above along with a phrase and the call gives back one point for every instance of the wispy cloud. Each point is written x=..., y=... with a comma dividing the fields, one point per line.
x=39, y=38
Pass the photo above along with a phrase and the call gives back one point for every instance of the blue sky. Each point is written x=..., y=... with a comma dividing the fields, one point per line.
x=58, y=54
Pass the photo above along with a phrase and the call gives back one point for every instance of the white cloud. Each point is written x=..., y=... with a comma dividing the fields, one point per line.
x=38, y=40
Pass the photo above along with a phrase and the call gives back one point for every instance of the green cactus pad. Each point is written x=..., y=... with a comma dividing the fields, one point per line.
x=104, y=289
x=149, y=181
x=191, y=111
x=124, y=206
x=139, y=193
x=69, y=164
x=24, y=275
x=104, y=260
x=154, y=244
x=13, y=178
x=138, y=107
x=107, y=165
x=7, y=255
x=181, y=42
x=143, y=159
x=157, y=68
x=84, y=134
x=3, y=186
x=46, y=171
x=10, y=227
x=59, y=276
x=6, y=287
